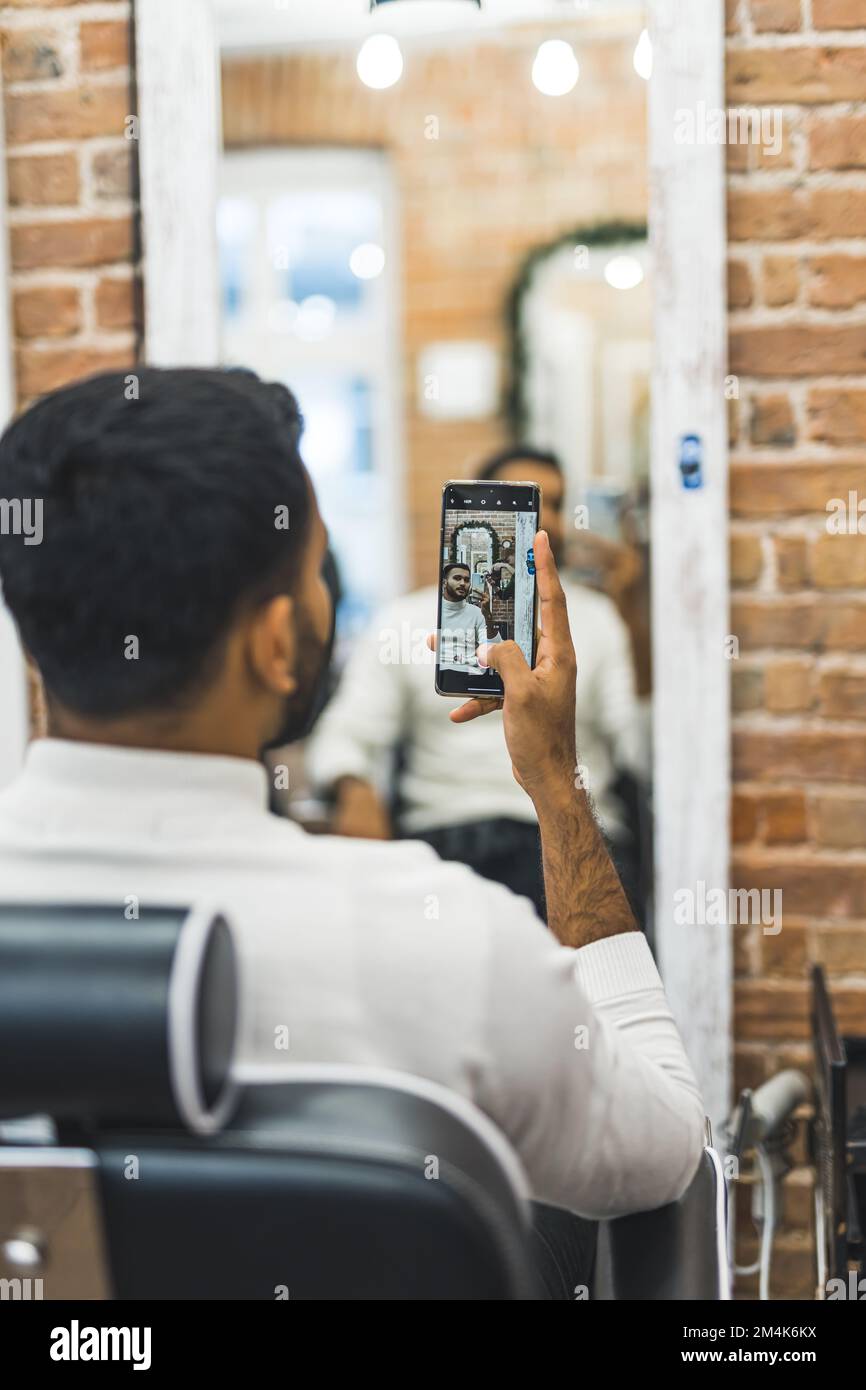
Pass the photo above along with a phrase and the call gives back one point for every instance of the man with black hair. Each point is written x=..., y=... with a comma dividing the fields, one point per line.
x=464, y=625
x=177, y=613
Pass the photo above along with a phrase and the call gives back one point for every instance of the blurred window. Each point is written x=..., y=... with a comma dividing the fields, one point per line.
x=308, y=299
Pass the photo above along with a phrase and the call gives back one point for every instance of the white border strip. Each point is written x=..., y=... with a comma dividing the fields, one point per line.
x=177, y=59
x=183, y=1013
x=326, y=1073
x=721, y=1226
x=690, y=588
x=14, y=723
x=46, y=1156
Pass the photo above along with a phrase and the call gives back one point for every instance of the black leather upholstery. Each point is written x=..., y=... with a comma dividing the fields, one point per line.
x=325, y=1188
x=321, y=1190
x=85, y=1013
x=675, y=1252
x=330, y=1189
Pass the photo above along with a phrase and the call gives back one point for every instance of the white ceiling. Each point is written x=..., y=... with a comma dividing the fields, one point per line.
x=284, y=23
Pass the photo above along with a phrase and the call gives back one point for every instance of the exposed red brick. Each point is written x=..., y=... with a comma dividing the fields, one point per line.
x=842, y=694
x=784, y=818
x=747, y=688
x=778, y=489
x=118, y=303
x=114, y=172
x=807, y=624
x=839, y=14
x=840, y=822
x=837, y=416
x=788, y=687
x=740, y=293
x=770, y=1010
x=842, y=950
x=798, y=349
x=48, y=311
x=822, y=755
x=786, y=954
x=43, y=180
x=764, y=76
x=40, y=369
x=839, y=562
x=779, y=16
x=837, y=282
x=792, y=562
x=785, y=214
x=90, y=242
x=780, y=280
x=744, y=818
x=837, y=142
x=78, y=114
x=32, y=55
x=104, y=44
x=772, y=421
x=746, y=559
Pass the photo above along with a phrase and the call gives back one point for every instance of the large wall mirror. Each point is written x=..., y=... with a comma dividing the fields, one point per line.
x=581, y=324
x=448, y=226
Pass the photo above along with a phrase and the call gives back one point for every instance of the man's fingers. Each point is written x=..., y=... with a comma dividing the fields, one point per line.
x=507, y=659
x=431, y=641
x=473, y=709
x=554, y=614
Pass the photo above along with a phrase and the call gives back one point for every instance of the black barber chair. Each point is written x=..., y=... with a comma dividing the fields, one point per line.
x=131, y=1166
x=676, y=1253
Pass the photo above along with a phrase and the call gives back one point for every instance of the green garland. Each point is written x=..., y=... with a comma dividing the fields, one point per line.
x=601, y=234
x=476, y=526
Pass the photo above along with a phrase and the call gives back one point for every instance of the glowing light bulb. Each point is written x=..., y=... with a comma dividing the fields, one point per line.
x=380, y=62
x=555, y=70
x=643, y=56
x=367, y=261
x=623, y=272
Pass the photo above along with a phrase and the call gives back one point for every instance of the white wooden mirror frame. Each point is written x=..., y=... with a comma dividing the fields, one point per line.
x=178, y=104
x=13, y=681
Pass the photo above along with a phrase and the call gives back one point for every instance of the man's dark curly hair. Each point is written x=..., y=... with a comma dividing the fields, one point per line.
x=164, y=498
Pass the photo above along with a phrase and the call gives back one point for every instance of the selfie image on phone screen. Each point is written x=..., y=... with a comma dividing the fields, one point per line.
x=486, y=580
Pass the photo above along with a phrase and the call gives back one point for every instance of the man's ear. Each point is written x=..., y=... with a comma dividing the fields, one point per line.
x=272, y=645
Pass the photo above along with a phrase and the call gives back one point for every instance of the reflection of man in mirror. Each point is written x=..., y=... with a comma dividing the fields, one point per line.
x=502, y=578
x=382, y=706
x=465, y=625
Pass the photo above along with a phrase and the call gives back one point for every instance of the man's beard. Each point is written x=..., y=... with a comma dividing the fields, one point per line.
x=302, y=709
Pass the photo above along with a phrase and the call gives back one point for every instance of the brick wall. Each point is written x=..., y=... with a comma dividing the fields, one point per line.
x=506, y=174
x=797, y=284
x=72, y=228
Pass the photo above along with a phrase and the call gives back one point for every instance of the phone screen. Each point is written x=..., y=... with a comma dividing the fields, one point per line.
x=486, y=580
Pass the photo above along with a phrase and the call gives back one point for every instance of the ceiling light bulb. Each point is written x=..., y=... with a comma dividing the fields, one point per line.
x=367, y=261
x=623, y=272
x=643, y=56
x=555, y=70
x=380, y=62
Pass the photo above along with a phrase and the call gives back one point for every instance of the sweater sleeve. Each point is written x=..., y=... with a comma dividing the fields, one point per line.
x=586, y=1071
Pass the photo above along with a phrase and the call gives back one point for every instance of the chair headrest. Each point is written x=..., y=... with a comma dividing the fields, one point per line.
x=109, y=1021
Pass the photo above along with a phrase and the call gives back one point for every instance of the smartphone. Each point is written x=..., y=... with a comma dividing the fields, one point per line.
x=484, y=524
